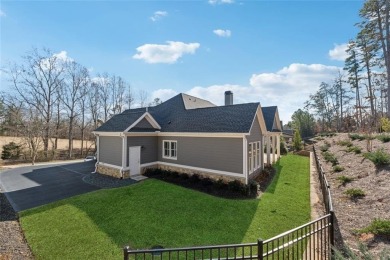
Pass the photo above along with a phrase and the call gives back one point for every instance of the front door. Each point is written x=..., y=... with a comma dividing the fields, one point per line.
x=134, y=160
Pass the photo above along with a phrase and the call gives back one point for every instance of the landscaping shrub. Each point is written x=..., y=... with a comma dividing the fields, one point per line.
x=355, y=149
x=194, y=178
x=344, y=179
x=355, y=193
x=357, y=137
x=383, y=138
x=11, y=151
x=324, y=148
x=236, y=186
x=205, y=184
x=378, y=227
x=330, y=157
x=346, y=143
x=379, y=157
x=338, y=168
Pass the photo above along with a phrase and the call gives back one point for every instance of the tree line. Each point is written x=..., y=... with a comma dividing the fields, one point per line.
x=50, y=96
x=358, y=97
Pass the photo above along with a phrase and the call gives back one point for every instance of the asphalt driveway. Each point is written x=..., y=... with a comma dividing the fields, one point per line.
x=32, y=186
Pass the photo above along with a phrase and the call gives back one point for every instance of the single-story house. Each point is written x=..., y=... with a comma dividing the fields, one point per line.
x=190, y=135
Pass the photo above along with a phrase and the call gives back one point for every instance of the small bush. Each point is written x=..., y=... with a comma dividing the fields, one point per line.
x=379, y=157
x=346, y=143
x=236, y=186
x=355, y=149
x=344, y=179
x=357, y=137
x=355, y=193
x=194, y=178
x=324, y=148
x=378, y=227
x=207, y=181
x=338, y=168
x=330, y=157
x=11, y=151
x=383, y=138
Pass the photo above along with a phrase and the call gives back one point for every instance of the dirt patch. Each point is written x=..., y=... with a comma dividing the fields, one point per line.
x=352, y=215
x=12, y=242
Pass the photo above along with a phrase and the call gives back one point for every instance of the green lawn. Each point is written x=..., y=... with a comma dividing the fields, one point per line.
x=98, y=224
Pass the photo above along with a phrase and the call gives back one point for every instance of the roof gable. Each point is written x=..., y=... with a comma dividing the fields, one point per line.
x=191, y=102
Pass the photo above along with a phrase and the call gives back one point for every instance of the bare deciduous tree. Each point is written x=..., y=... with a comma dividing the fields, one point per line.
x=36, y=81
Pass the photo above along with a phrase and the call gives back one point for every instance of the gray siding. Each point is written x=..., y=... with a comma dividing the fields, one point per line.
x=223, y=154
x=255, y=133
x=148, y=149
x=144, y=124
x=110, y=150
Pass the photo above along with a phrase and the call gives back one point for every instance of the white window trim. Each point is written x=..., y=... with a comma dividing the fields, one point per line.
x=254, y=163
x=163, y=150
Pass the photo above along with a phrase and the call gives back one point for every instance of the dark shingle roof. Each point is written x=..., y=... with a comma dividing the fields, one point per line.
x=269, y=116
x=173, y=117
x=120, y=122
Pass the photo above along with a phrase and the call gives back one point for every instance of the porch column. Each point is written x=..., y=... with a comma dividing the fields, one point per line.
x=278, y=146
x=273, y=149
x=124, y=152
x=261, y=153
x=268, y=150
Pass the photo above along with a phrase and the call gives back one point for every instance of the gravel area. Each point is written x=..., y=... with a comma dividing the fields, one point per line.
x=12, y=242
x=106, y=182
x=356, y=214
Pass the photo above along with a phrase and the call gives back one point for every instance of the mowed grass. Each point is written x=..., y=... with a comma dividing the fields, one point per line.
x=97, y=225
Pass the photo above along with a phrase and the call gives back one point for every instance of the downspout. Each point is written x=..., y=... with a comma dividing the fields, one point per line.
x=97, y=151
x=123, y=155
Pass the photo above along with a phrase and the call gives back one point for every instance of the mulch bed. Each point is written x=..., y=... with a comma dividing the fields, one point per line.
x=13, y=245
x=106, y=182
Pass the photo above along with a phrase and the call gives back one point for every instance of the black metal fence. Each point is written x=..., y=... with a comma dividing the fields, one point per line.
x=325, y=187
x=313, y=240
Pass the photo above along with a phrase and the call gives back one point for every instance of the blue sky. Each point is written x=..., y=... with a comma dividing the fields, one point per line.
x=274, y=52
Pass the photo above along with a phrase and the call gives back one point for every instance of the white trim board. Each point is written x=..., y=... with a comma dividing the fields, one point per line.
x=240, y=175
x=173, y=134
x=148, y=117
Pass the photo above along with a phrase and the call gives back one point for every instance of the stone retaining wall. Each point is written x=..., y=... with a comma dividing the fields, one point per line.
x=106, y=170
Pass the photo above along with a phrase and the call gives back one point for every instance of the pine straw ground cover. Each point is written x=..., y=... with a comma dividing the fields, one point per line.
x=357, y=213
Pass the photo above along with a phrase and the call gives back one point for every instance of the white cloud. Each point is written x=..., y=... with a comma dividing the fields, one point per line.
x=2, y=14
x=55, y=60
x=339, y=52
x=287, y=88
x=163, y=94
x=223, y=33
x=215, y=2
x=165, y=53
x=158, y=15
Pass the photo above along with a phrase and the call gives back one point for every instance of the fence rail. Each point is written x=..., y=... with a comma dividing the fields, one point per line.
x=313, y=240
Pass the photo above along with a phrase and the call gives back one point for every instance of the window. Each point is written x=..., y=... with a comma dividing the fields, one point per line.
x=170, y=150
x=254, y=156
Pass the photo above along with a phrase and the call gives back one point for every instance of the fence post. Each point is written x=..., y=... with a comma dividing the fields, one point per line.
x=259, y=249
x=126, y=252
x=331, y=233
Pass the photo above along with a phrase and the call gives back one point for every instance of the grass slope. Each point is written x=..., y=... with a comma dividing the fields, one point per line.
x=98, y=224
